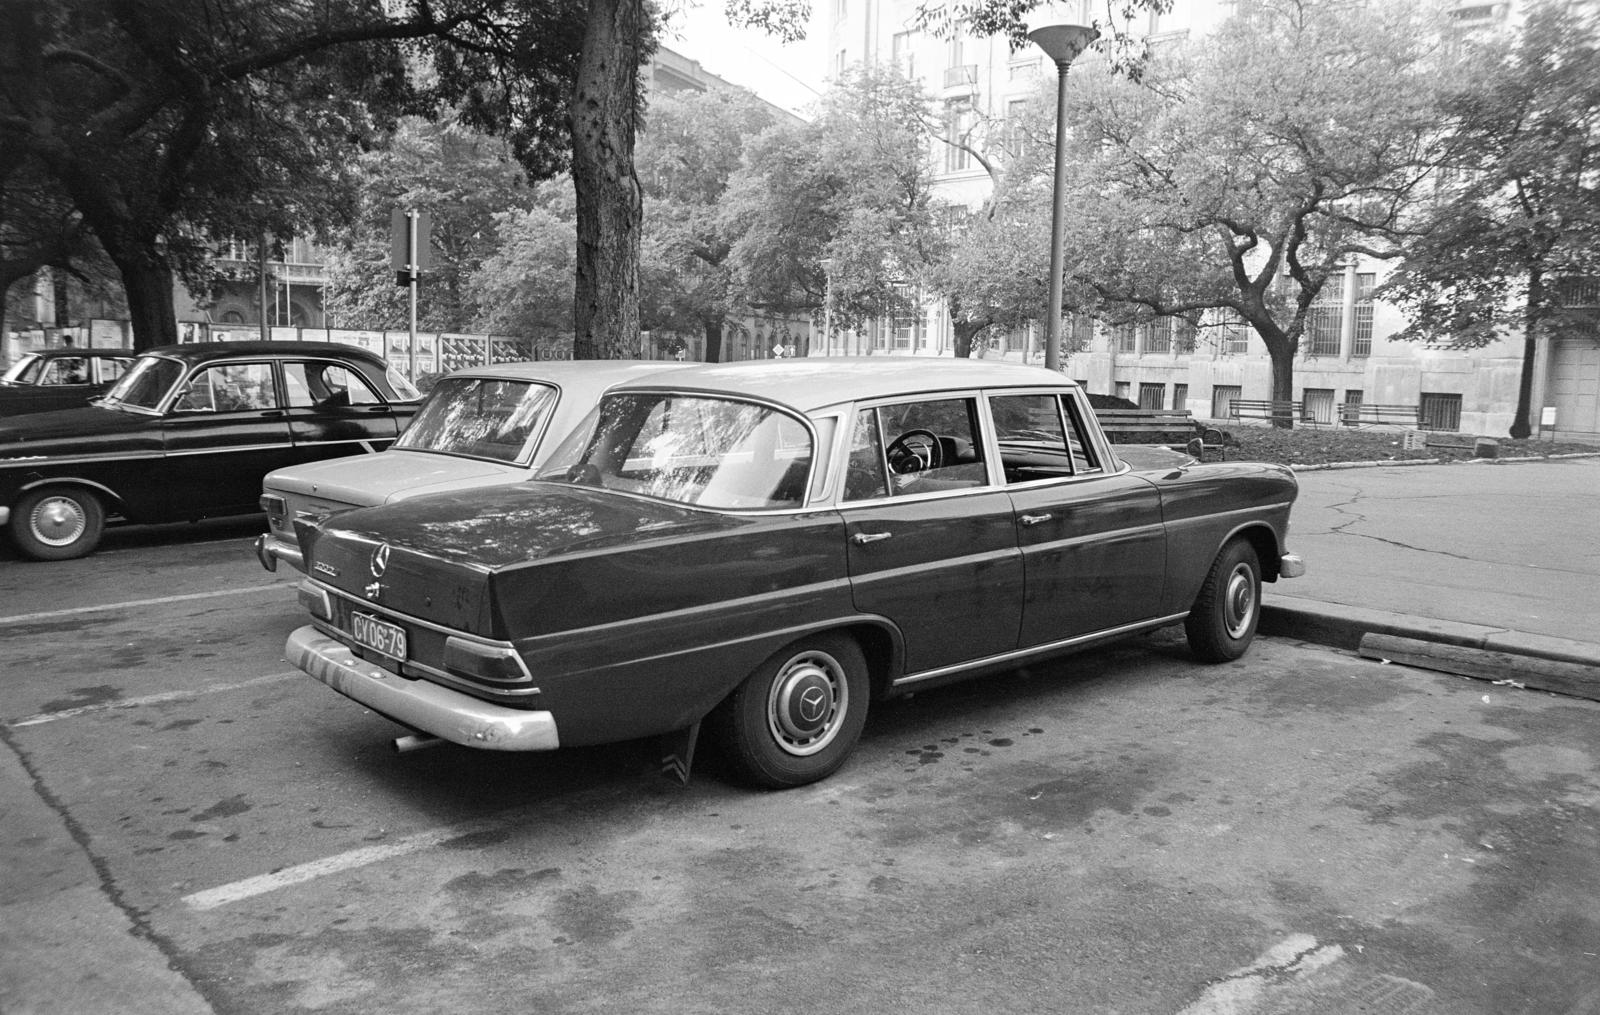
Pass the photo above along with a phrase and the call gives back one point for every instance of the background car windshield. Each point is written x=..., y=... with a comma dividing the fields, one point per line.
x=710, y=452
x=145, y=385
x=482, y=417
x=24, y=370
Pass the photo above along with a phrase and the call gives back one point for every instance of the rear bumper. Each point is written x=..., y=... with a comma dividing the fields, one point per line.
x=449, y=715
x=1291, y=566
x=5, y=515
x=270, y=549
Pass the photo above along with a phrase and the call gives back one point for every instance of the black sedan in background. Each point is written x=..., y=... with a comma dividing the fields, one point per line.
x=59, y=379
x=188, y=433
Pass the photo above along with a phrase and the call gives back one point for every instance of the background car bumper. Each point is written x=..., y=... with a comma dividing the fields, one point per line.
x=449, y=715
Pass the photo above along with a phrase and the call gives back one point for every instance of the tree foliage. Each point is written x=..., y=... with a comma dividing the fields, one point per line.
x=1517, y=219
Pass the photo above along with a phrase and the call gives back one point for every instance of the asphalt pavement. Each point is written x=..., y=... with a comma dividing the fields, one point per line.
x=1500, y=559
x=1492, y=563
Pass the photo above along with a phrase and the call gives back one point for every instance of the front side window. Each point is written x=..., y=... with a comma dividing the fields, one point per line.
x=229, y=387
x=692, y=449
x=926, y=446
x=144, y=387
x=481, y=417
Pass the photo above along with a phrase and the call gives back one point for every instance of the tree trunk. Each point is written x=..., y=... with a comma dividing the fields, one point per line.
x=151, y=310
x=713, y=332
x=610, y=203
x=965, y=331
x=1521, y=422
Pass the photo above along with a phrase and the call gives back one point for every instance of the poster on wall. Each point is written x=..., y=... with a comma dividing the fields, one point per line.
x=372, y=341
x=110, y=335
x=285, y=334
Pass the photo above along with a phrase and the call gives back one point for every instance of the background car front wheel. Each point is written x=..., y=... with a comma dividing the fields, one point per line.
x=57, y=523
x=796, y=718
x=1223, y=620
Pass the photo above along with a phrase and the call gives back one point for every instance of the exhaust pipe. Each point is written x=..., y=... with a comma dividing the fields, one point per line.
x=415, y=742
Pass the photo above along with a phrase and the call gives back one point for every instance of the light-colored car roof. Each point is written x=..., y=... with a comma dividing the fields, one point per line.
x=813, y=383
x=561, y=371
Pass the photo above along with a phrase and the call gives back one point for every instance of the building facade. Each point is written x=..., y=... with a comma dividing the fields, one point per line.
x=1347, y=354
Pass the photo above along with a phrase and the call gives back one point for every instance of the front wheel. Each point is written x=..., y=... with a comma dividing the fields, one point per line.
x=57, y=523
x=1223, y=620
x=797, y=717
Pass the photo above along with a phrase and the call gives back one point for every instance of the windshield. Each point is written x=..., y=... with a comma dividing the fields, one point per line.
x=705, y=451
x=145, y=385
x=22, y=370
x=480, y=417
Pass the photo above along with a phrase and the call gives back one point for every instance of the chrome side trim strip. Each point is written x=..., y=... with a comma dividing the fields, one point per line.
x=1038, y=650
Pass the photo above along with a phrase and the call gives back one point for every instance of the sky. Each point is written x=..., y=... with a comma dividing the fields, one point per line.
x=789, y=76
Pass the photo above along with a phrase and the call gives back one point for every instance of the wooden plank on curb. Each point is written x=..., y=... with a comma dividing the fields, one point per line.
x=1575, y=679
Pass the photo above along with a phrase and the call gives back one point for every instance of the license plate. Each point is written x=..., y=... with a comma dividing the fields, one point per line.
x=379, y=635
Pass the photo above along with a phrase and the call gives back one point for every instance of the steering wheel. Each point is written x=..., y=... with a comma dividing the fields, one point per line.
x=915, y=451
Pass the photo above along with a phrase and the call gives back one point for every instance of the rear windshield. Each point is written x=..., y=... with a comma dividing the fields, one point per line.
x=693, y=449
x=481, y=417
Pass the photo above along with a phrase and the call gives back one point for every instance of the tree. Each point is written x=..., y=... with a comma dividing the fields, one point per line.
x=691, y=147
x=1249, y=166
x=851, y=190
x=525, y=287
x=168, y=123
x=1519, y=211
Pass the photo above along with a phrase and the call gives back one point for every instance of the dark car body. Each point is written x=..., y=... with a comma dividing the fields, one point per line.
x=60, y=379
x=188, y=433
x=770, y=546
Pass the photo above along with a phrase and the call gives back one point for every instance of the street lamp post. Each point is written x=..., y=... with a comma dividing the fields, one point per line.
x=1061, y=43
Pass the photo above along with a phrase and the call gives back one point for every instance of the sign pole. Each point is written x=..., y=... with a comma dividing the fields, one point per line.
x=411, y=269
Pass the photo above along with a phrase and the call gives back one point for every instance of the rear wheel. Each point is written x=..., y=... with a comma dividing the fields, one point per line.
x=796, y=719
x=57, y=523
x=1223, y=620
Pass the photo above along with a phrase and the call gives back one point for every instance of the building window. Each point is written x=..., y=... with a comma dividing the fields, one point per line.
x=1180, y=396
x=1184, y=336
x=1016, y=127
x=1025, y=70
x=1124, y=338
x=901, y=53
x=1152, y=396
x=1158, y=336
x=1233, y=334
x=1366, y=281
x=1325, y=318
x=838, y=65
x=1222, y=399
x=1441, y=411
x=1352, y=404
x=1079, y=332
x=958, y=123
x=1122, y=389
x=1318, y=404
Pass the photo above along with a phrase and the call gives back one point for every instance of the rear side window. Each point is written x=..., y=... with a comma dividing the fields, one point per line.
x=324, y=384
x=1041, y=436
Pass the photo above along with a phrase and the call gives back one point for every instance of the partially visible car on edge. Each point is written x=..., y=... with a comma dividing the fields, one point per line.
x=59, y=379
x=482, y=426
x=188, y=433
x=766, y=547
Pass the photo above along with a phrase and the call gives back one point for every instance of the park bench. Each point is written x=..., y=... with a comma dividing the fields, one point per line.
x=1245, y=408
x=1161, y=426
x=1362, y=414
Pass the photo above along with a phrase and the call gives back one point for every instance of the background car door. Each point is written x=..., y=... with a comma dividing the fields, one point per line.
x=1093, y=545
x=334, y=412
x=222, y=434
x=932, y=549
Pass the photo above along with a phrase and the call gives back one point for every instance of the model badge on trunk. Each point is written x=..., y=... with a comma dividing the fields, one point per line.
x=327, y=569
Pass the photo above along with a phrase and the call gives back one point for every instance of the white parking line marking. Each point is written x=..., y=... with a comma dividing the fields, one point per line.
x=213, y=898
x=134, y=604
x=1243, y=990
x=151, y=699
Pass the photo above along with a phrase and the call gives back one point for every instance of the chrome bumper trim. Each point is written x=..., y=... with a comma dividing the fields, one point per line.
x=449, y=715
x=5, y=515
x=270, y=549
x=1291, y=566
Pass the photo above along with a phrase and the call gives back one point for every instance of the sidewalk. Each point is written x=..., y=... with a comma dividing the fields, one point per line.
x=1498, y=557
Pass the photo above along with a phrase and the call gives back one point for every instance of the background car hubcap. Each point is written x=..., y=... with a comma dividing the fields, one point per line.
x=808, y=697
x=1239, y=606
x=58, y=521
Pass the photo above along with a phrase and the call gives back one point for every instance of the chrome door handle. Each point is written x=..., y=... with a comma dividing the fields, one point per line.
x=1035, y=519
x=863, y=538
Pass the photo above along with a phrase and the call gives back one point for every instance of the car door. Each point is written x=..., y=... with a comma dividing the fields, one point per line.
x=222, y=433
x=333, y=411
x=932, y=542
x=1092, y=541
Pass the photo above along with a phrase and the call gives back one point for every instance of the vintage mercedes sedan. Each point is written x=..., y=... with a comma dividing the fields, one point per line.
x=188, y=433
x=482, y=426
x=766, y=548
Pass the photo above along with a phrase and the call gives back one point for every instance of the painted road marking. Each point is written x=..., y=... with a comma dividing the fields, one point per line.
x=1240, y=992
x=150, y=699
x=134, y=604
x=213, y=898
